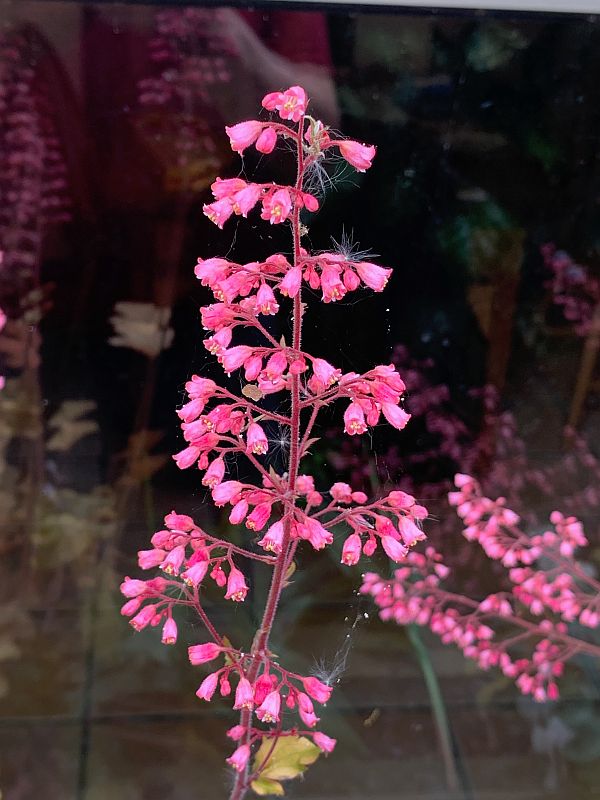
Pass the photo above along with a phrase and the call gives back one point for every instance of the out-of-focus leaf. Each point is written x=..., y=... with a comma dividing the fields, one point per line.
x=493, y=45
x=68, y=426
x=546, y=152
x=227, y=658
x=144, y=467
x=141, y=464
x=265, y=786
x=144, y=440
x=143, y=327
x=290, y=570
x=71, y=433
x=287, y=760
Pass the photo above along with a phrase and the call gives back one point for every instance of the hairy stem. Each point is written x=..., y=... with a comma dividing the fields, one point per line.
x=261, y=638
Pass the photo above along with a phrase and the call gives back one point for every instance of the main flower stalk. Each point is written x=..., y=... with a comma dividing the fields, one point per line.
x=284, y=558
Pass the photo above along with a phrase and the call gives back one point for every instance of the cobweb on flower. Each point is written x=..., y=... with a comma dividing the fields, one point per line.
x=350, y=249
x=330, y=671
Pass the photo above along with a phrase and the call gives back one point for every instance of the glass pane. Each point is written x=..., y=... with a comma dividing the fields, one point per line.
x=483, y=198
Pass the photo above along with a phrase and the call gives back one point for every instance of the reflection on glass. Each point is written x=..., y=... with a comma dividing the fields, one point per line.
x=487, y=150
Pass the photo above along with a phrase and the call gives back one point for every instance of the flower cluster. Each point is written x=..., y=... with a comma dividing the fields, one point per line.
x=284, y=509
x=190, y=54
x=333, y=273
x=526, y=632
x=190, y=48
x=33, y=185
x=573, y=287
x=32, y=168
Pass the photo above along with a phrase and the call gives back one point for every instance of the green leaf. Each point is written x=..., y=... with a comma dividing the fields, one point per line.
x=265, y=786
x=288, y=759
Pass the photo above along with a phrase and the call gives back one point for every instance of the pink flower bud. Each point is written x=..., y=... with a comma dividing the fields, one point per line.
x=358, y=155
x=192, y=410
x=208, y=687
x=324, y=375
x=226, y=492
x=236, y=732
x=239, y=758
x=179, y=522
x=277, y=207
x=276, y=366
x=351, y=550
x=298, y=366
x=161, y=539
x=359, y=497
x=304, y=702
x=341, y=492
x=399, y=499
x=351, y=280
x=148, y=559
x=305, y=484
x=218, y=576
x=243, y=134
x=256, y=439
x=273, y=538
x=214, y=474
x=201, y=653
x=265, y=300
x=238, y=512
x=318, y=690
x=268, y=711
x=244, y=694
x=131, y=606
x=258, y=518
x=195, y=574
x=370, y=546
x=185, y=458
x=252, y=367
x=266, y=141
x=262, y=687
x=270, y=100
x=226, y=187
x=236, y=586
x=173, y=561
x=143, y=618
x=218, y=212
x=373, y=276
x=395, y=550
x=354, y=420
x=169, y=631
x=310, y=202
x=395, y=415
x=409, y=531
x=132, y=588
x=325, y=743
x=290, y=285
x=314, y=499
x=235, y=357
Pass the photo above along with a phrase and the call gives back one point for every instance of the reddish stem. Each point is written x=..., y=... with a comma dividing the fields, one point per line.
x=261, y=638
